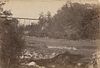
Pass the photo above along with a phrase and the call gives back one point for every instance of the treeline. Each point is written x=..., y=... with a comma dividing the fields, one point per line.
x=72, y=21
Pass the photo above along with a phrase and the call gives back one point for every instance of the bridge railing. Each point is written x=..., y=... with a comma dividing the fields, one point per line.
x=18, y=17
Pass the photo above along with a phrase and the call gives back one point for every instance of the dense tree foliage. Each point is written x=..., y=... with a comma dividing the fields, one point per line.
x=77, y=21
x=11, y=42
x=72, y=21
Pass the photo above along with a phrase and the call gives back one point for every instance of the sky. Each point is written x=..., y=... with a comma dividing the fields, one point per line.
x=32, y=8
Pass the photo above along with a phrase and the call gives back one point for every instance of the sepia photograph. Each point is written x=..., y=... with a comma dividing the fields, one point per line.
x=49, y=33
